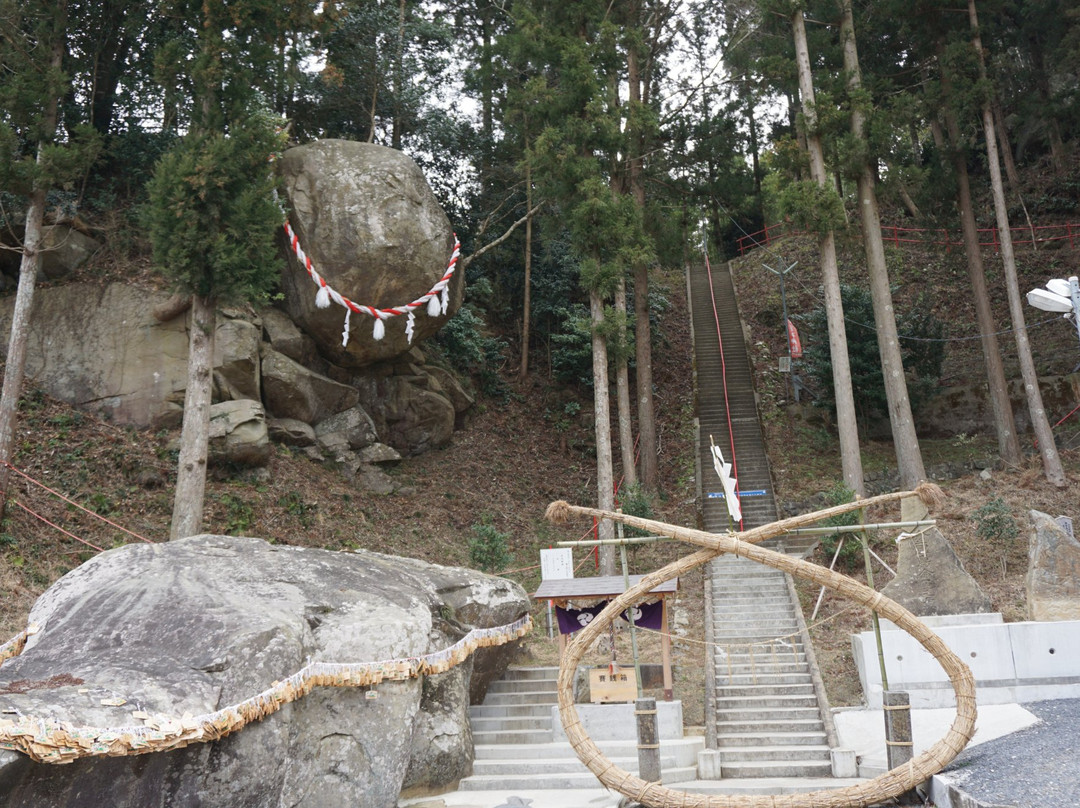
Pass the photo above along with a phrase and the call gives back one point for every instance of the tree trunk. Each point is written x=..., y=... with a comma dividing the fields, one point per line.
x=15, y=365
x=905, y=442
x=527, y=305
x=1039, y=422
x=1004, y=422
x=1006, y=150
x=399, y=79
x=650, y=475
x=846, y=422
x=195, y=435
x=622, y=389
x=605, y=478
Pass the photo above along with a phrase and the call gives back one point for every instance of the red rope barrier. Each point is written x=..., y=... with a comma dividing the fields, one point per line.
x=723, y=375
x=76, y=504
x=50, y=524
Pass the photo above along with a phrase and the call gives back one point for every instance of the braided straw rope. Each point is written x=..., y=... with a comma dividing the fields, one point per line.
x=47, y=740
x=886, y=786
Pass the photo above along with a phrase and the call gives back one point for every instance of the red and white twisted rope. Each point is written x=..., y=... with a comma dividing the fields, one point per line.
x=437, y=299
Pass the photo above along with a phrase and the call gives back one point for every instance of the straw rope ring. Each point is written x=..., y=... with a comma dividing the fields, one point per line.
x=884, y=787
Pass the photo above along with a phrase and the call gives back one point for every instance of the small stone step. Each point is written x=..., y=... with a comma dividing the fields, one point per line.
x=523, y=697
x=723, y=679
x=502, y=686
x=759, y=690
x=767, y=700
x=755, y=754
x=512, y=736
x=486, y=710
x=511, y=767
x=504, y=723
x=537, y=782
x=779, y=768
x=530, y=673
x=773, y=727
x=774, y=714
x=761, y=739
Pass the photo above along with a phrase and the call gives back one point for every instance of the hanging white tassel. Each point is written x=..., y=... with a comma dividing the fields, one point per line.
x=445, y=299
x=380, y=330
x=433, y=306
x=345, y=333
x=322, y=299
x=410, y=326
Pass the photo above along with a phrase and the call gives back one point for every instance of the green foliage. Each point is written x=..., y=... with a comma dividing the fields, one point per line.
x=994, y=522
x=489, y=549
x=239, y=515
x=571, y=348
x=466, y=345
x=212, y=213
x=812, y=207
x=920, y=347
x=634, y=500
x=851, y=554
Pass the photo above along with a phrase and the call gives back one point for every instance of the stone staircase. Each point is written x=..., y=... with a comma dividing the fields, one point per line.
x=768, y=722
x=516, y=745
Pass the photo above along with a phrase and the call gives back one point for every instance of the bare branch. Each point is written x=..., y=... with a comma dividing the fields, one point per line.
x=509, y=231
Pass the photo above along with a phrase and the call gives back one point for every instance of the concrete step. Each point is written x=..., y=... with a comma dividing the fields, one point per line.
x=769, y=726
x=757, y=754
x=536, y=782
x=769, y=786
x=486, y=710
x=516, y=767
x=761, y=739
x=522, y=697
x=743, y=679
x=501, y=686
x=772, y=714
x=779, y=768
x=760, y=690
x=512, y=736
x=683, y=750
x=504, y=723
x=766, y=701
x=547, y=672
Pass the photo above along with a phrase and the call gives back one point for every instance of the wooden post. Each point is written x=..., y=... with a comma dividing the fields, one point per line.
x=648, y=735
x=665, y=651
x=898, y=744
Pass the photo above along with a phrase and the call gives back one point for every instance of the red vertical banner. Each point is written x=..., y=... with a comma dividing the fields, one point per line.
x=794, y=343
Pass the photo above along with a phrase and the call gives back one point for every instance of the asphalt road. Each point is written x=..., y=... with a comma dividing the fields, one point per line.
x=1037, y=767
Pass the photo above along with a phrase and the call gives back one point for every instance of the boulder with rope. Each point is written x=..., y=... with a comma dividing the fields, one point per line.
x=371, y=253
x=193, y=646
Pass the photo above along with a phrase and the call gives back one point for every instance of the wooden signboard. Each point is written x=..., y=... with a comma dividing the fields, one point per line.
x=612, y=685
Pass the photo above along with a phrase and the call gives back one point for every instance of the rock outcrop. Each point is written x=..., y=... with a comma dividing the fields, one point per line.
x=201, y=623
x=1053, y=579
x=367, y=218
x=930, y=579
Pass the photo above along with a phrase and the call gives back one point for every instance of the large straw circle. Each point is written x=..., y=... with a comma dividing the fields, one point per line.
x=884, y=787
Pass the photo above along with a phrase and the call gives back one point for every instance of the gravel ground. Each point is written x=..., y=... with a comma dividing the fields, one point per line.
x=1038, y=767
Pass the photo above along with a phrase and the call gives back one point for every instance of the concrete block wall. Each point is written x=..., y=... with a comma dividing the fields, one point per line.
x=1012, y=662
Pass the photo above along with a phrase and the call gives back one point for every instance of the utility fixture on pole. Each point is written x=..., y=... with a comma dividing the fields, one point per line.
x=1060, y=296
x=787, y=325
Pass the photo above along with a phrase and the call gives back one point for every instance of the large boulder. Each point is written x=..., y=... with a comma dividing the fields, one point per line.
x=291, y=390
x=195, y=625
x=408, y=415
x=1053, y=578
x=238, y=434
x=374, y=231
x=931, y=580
